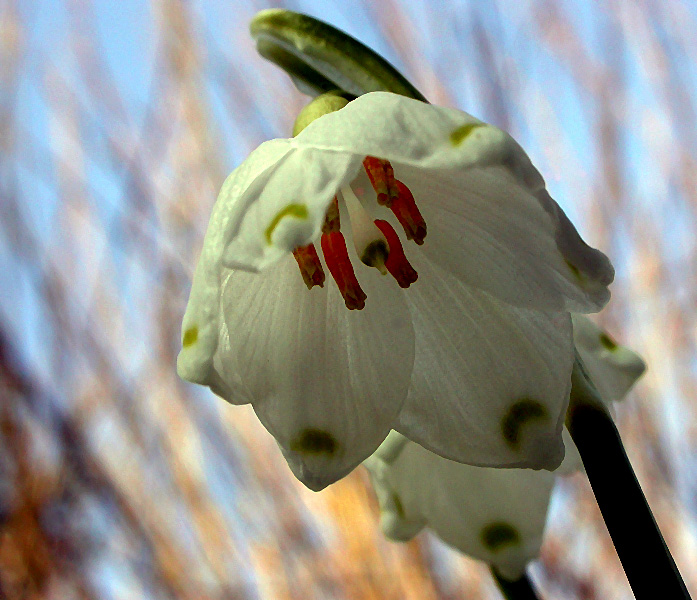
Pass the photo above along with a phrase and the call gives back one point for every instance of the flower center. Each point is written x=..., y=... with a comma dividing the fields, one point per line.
x=377, y=243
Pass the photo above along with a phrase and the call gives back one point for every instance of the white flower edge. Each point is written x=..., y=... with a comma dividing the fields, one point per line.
x=613, y=368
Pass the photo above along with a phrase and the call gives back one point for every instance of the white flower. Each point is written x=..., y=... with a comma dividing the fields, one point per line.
x=472, y=360
x=495, y=515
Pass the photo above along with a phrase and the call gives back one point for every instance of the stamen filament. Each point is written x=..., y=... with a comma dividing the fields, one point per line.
x=397, y=263
x=339, y=265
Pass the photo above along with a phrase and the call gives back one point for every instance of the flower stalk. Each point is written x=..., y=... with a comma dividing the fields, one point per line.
x=646, y=559
x=319, y=57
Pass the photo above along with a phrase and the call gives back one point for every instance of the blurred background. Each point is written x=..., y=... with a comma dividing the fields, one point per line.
x=118, y=123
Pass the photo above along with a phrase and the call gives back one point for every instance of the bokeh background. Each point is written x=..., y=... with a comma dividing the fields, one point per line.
x=119, y=122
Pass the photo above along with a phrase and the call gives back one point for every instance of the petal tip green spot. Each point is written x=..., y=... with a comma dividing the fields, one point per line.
x=460, y=134
x=297, y=211
x=519, y=414
x=190, y=337
x=398, y=506
x=315, y=442
x=574, y=270
x=497, y=536
x=607, y=342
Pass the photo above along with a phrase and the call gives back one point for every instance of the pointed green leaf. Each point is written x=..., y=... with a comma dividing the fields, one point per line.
x=320, y=57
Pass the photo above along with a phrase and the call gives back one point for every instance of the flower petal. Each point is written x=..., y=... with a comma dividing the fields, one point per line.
x=326, y=382
x=201, y=326
x=614, y=369
x=284, y=206
x=493, y=234
x=395, y=523
x=491, y=381
x=489, y=217
x=495, y=515
x=406, y=131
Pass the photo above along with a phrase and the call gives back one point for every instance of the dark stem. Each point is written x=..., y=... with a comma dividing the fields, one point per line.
x=520, y=589
x=646, y=560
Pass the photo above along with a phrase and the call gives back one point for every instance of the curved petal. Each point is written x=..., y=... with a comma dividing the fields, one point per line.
x=201, y=326
x=495, y=515
x=572, y=459
x=406, y=131
x=391, y=447
x=326, y=382
x=490, y=219
x=614, y=369
x=225, y=380
x=493, y=234
x=491, y=381
x=284, y=207
x=395, y=522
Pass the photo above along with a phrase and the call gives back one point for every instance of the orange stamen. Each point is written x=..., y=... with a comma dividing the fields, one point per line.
x=396, y=263
x=404, y=208
x=310, y=266
x=339, y=264
x=379, y=178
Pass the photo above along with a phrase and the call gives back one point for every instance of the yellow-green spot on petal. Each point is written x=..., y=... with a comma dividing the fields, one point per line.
x=190, y=337
x=607, y=342
x=497, y=536
x=462, y=133
x=297, y=211
x=398, y=506
x=520, y=414
x=575, y=270
x=314, y=441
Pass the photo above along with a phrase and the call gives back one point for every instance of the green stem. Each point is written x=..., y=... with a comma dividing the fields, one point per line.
x=520, y=589
x=647, y=562
x=320, y=57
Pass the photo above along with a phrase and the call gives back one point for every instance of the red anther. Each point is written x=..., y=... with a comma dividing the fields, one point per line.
x=331, y=219
x=310, y=266
x=396, y=263
x=339, y=264
x=375, y=169
x=404, y=208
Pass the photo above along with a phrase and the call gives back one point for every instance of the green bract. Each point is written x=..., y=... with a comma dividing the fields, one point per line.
x=319, y=57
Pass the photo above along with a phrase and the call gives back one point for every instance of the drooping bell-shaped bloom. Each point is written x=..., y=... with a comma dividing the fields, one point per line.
x=495, y=515
x=395, y=265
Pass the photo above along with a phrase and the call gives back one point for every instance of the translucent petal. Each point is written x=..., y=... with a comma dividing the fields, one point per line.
x=572, y=459
x=285, y=206
x=493, y=234
x=495, y=515
x=406, y=131
x=395, y=523
x=613, y=368
x=201, y=326
x=325, y=381
x=491, y=381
